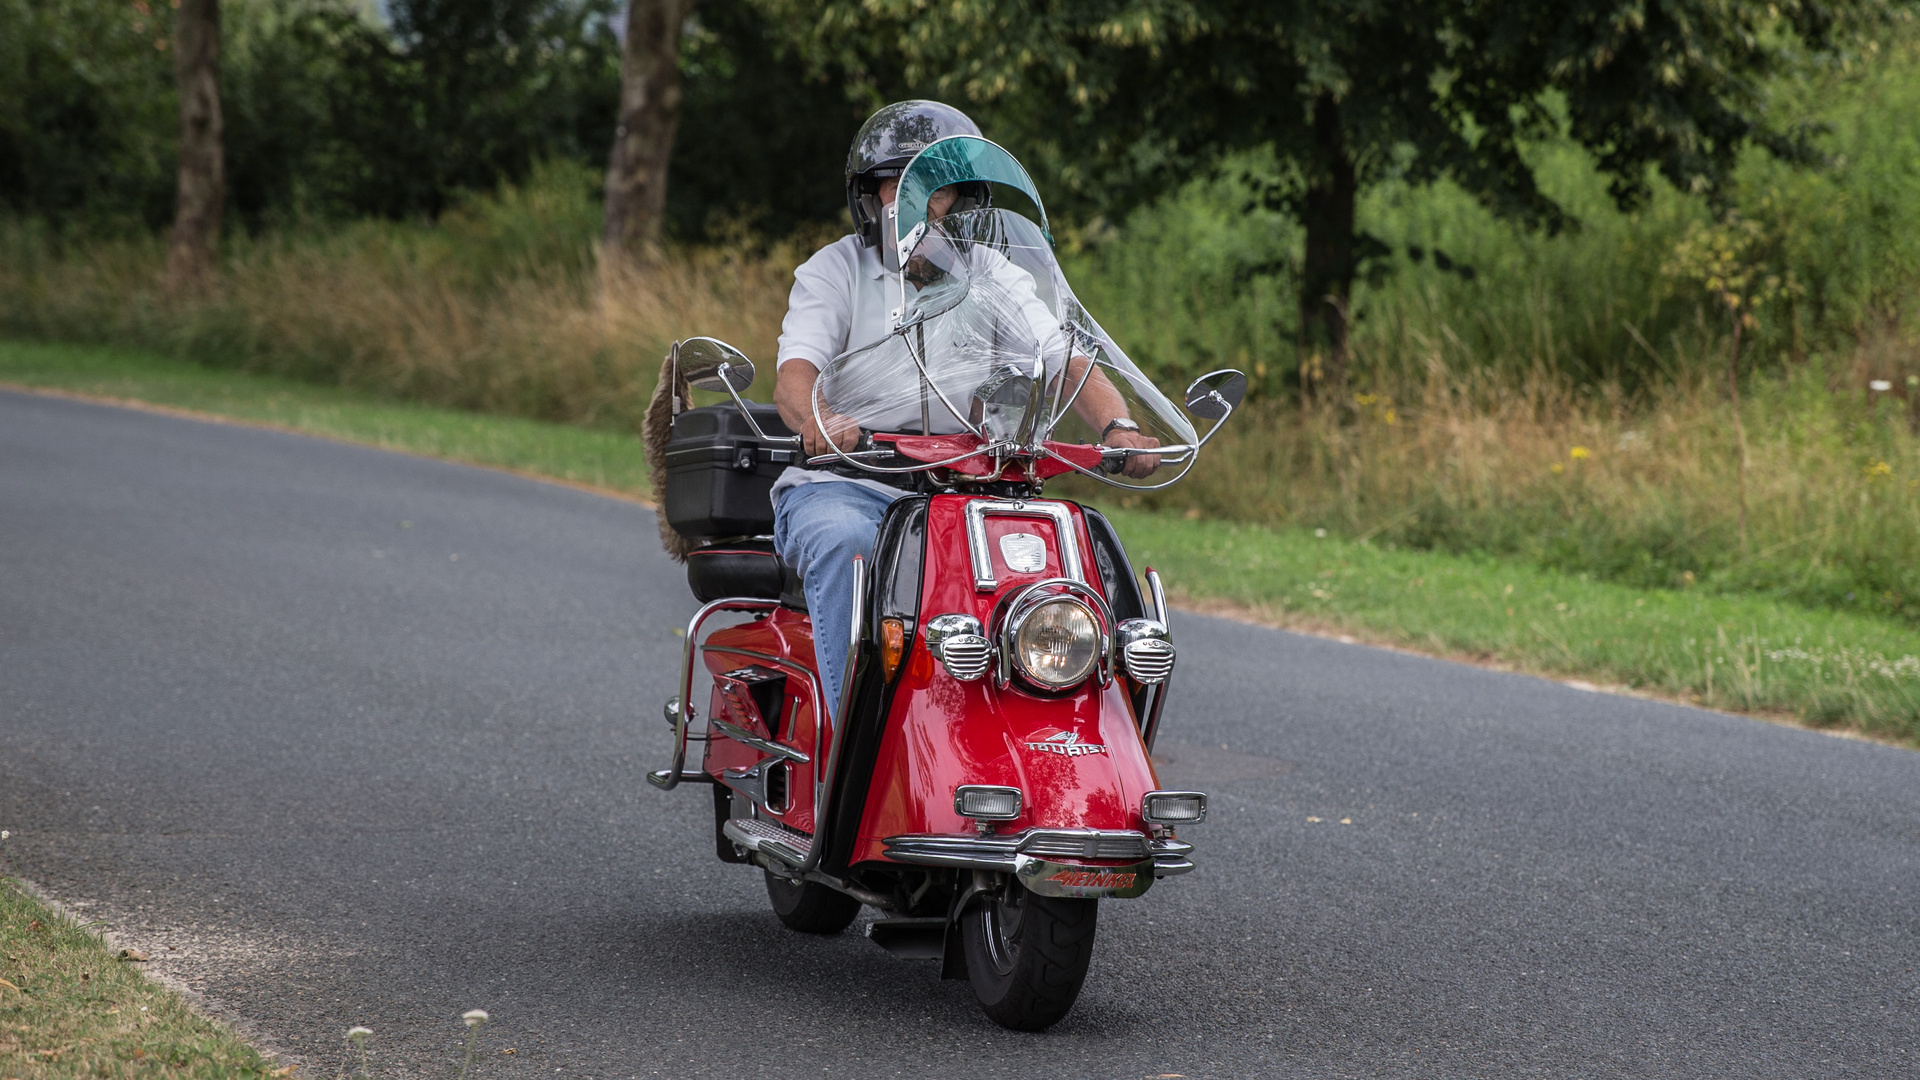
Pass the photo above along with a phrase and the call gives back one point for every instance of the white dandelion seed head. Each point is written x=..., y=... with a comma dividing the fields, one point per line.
x=1881, y=385
x=358, y=1033
x=474, y=1017
x=4, y=834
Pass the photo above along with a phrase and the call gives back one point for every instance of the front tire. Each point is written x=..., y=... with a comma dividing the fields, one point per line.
x=810, y=907
x=1027, y=955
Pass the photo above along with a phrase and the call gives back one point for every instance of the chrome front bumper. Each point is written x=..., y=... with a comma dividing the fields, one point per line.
x=1031, y=855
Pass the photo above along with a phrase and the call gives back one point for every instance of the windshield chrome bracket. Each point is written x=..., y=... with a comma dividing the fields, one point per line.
x=1066, y=538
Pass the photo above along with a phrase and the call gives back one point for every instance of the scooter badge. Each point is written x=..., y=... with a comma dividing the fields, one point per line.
x=1066, y=744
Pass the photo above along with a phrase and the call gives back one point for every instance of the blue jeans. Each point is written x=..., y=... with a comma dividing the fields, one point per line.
x=818, y=528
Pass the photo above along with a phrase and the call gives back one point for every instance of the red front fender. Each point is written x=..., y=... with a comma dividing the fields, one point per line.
x=1077, y=759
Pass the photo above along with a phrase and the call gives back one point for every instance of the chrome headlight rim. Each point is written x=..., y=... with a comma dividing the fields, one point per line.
x=1012, y=614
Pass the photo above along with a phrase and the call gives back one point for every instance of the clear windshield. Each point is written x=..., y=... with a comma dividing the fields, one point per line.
x=992, y=342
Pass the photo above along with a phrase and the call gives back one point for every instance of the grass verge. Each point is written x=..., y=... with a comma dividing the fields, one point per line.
x=1743, y=653
x=70, y=1007
x=600, y=459
x=1746, y=653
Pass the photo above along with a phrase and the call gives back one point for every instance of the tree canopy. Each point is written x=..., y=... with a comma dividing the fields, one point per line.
x=1121, y=99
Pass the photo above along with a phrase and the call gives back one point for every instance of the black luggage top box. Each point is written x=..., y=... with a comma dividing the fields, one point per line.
x=720, y=474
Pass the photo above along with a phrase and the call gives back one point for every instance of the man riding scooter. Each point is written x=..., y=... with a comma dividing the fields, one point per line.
x=952, y=725
x=843, y=298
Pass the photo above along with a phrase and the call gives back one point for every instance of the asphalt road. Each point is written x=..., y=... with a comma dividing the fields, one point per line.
x=345, y=737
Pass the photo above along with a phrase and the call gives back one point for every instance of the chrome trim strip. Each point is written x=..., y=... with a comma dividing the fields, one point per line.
x=1157, y=693
x=668, y=779
x=857, y=616
x=741, y=735
x=1165, y=857
x=1065, y=536
x=689, y=776
x=1002, y=853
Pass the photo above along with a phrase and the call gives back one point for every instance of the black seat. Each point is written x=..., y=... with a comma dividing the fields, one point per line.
x=743, y=568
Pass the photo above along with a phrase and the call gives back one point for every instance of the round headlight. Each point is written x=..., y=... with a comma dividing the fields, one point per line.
x=1057, y=643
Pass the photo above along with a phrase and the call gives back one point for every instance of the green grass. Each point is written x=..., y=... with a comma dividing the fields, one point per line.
x=1728, y=651
x=600, y=459
x=69, y=1007
x=1733, y=652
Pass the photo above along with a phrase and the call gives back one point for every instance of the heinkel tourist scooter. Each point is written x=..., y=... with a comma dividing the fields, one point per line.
x=983, y=781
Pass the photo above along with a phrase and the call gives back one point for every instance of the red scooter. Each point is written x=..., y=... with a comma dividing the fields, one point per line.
x=988, y=781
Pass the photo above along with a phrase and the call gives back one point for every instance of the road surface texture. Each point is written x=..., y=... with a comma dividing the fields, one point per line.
x=347, y=737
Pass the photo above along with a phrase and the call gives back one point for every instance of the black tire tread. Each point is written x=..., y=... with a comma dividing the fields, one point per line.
x=1047, y=976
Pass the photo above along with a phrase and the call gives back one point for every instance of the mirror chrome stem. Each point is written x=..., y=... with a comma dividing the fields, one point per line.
x=783, y=440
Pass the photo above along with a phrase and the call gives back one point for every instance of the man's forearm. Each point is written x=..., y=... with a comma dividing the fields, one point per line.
x=793, y=393
x=1099, y=403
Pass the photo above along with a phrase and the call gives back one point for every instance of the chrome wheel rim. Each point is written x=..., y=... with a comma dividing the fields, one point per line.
x=1000, y=917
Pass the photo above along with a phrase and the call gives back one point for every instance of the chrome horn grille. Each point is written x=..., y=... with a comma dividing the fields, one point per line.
x=961, y=645
x=1145, y=653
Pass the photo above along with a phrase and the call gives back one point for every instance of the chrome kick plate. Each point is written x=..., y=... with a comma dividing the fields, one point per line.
x=1065, y=879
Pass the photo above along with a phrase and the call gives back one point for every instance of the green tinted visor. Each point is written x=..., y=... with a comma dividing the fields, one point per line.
x=956, y=160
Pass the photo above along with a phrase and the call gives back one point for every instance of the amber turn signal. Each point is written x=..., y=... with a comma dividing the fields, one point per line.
x=893, y=646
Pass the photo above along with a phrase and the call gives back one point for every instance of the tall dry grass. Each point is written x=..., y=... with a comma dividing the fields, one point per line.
x=501, y=307
x=1642, y=489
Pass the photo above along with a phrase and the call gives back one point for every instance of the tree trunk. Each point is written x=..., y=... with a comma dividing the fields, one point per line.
x=636, y=197
x=203, y=182
x=1327, y=278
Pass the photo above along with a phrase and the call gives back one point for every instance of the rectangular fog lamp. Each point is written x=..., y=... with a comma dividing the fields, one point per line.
x=986, y=803
x=1174, y=807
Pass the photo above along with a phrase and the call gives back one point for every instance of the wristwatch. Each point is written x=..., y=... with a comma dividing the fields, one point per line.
x=1120, y=422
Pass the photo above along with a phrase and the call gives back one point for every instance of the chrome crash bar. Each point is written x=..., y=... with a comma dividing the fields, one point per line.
x=1157, y=692
x=793, y=850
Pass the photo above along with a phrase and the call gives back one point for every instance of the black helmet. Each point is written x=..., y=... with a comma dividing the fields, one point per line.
x=887, y=141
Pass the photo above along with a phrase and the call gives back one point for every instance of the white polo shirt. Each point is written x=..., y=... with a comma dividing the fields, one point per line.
x=843, y=297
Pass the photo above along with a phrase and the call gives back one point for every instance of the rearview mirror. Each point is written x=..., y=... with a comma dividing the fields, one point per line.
x=715, y=366
x=1215, y=394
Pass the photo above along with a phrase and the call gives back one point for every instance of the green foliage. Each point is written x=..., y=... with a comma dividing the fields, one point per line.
x=1594, y=305
x=1123, y=98
x=328, y=112
x=1118, y=101
x=464, y=94
x=762, y=139
x=333, y=113
x=87, y=113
